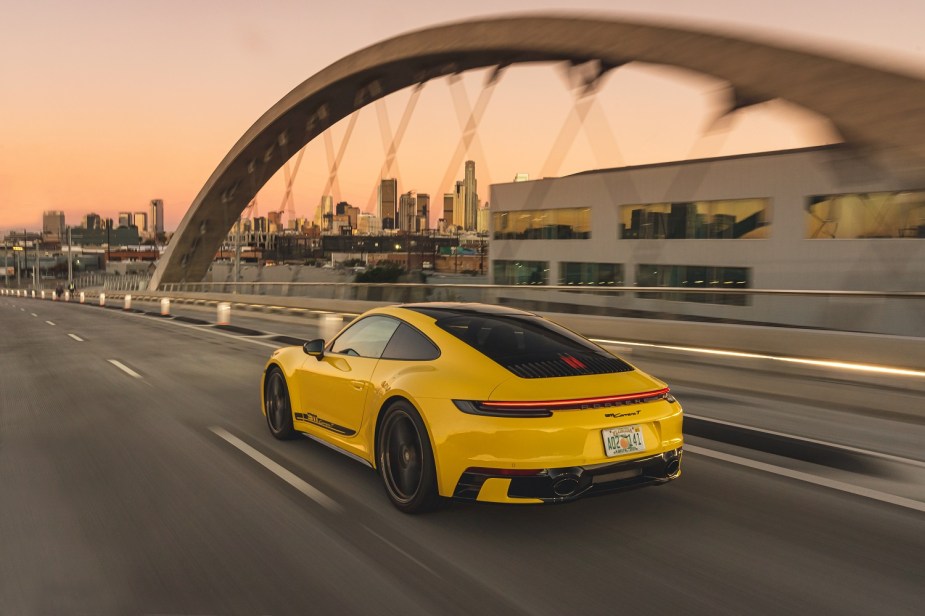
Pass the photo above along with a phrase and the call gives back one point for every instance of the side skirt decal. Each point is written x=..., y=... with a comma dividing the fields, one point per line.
x=324, y=423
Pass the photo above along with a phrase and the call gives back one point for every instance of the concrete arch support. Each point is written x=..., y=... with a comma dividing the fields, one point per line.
x=881, y=111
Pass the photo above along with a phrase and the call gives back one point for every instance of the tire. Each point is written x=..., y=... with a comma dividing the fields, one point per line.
x=276, y=403
x=406, y=460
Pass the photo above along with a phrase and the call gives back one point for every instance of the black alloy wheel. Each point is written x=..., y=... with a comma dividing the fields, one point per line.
x=406, y=461
x=276, y=404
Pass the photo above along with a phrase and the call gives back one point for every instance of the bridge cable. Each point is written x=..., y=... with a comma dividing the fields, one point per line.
x=391, y=142
x=469, y=119
x=332, y=186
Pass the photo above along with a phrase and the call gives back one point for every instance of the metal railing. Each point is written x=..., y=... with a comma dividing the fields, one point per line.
x=899, y=313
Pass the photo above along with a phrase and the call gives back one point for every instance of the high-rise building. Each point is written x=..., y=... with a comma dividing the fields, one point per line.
x=483, y=217
x=140, y=220
x=92, y=221
x=472, y=197
x=156, y=216
x=53, y=225
x=449, y=200
x=459, y=200
x=522, y=177
x=368, y=224
x=353, y=213
x=407, y=211
x=387, y=202
x=423, y=212
x=124, y=219
x=274, y=220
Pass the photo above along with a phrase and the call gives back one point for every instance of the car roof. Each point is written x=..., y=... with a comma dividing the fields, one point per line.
x=449, y=308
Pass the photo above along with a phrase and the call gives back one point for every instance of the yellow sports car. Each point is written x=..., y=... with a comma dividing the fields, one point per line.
x=476, y=402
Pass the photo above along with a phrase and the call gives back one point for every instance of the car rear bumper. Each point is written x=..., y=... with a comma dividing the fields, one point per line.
x=559, y=485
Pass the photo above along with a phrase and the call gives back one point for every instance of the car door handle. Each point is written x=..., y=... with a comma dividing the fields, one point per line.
x=358, y=385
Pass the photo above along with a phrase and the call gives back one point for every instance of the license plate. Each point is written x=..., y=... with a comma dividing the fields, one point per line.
x=623, y=440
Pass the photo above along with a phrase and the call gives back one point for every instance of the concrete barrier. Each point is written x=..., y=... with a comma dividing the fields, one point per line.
x=223, y=313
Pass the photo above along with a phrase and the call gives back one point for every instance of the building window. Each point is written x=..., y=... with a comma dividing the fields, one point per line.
x=695, y=276
x=560, y=224
x=866, y=215
x=696, y=220
x=521, y=272
x=591, y=274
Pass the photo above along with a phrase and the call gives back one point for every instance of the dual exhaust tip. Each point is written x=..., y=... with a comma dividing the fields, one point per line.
x=569, y=483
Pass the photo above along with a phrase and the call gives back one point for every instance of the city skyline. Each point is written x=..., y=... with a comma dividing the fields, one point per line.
x=113, y=149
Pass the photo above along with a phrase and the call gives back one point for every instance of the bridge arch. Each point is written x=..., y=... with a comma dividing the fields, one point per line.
x=882, y=112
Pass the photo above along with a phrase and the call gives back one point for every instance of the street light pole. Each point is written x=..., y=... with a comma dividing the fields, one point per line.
x=237, y=256
x=35, y=266
x=70, y=264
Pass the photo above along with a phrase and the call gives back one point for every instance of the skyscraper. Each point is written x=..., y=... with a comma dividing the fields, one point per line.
x=387, y=202
x=459, y=200
x=449, y=199
x=156, y=216
x=472, y=197
x=125, y=219
x=53, y=225
x=92, y=221
x=423, y=212
x=140, y=220
x=407, y=211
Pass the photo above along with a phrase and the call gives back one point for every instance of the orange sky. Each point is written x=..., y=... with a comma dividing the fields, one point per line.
x=108, y=104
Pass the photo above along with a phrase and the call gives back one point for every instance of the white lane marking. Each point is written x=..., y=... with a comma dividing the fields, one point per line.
x=118, y=364
x=76, y=337
x=203, y=328
x=33, y=314
x=289, y=477
x=866, y=452
x=49, y=322
x=841, y=486
x=401, y=551
x=792, y=360
x=22, y=309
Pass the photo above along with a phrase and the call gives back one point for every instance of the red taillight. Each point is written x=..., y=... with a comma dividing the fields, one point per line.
x=578, y=402
x=544, y=408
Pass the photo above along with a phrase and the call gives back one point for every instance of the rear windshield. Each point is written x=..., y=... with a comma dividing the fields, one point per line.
x=528, y=346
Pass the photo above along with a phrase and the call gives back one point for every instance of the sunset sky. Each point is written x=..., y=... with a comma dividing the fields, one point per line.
x=107, y=104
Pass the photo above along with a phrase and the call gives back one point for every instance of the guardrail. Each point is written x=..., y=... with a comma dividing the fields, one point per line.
x=894, y=313
x=836, y=369
x=879, y=312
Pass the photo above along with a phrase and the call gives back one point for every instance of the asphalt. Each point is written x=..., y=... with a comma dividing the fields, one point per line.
x=120, y=495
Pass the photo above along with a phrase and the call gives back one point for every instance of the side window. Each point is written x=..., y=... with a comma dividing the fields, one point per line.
x=410, y=344
x=366, y=338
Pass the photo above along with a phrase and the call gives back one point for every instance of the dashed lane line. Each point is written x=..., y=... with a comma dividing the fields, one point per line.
x=33, y=314
x=841, y=486
x=289, y=477
x=76, y=337
x=49, y=322
x=118, y=364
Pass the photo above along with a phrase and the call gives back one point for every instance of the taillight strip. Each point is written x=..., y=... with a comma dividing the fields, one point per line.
x=577, y=402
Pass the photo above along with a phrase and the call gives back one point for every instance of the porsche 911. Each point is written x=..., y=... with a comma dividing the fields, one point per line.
x=475, y=402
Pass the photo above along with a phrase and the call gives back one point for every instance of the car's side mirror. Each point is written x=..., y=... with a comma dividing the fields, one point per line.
x=315, y=348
